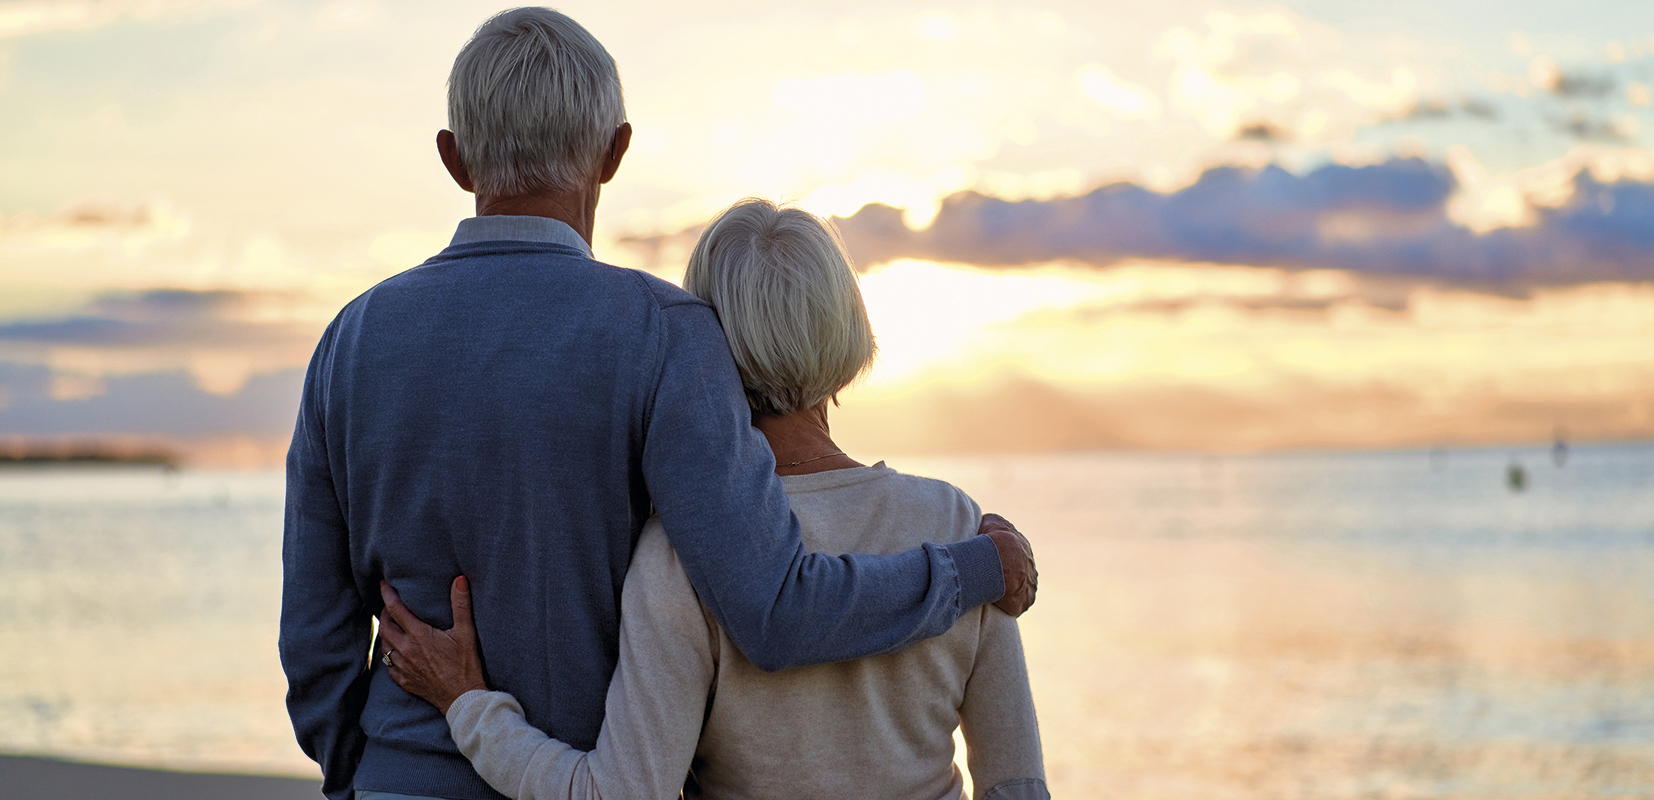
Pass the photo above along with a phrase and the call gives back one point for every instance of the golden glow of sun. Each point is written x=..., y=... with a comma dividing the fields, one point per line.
x=926, y=314
x=1249, y=329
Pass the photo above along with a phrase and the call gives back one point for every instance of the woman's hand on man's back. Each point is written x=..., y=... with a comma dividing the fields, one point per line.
x=438, y=666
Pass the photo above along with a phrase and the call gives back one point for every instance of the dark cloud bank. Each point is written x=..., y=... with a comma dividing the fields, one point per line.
x=161, y=317
x=159, y=404
x=163, y=407
x=1386, y=218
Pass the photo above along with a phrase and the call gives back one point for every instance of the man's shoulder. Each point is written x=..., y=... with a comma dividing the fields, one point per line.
x=437, y=274
x=665, y=293
x=662, y=292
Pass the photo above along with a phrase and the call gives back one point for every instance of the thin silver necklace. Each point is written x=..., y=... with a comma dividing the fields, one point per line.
x=817, y=458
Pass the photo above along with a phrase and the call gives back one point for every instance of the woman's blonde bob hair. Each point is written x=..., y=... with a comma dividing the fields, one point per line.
x=781, y=282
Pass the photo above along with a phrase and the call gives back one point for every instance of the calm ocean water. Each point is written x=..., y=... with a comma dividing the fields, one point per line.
x=1393, y=624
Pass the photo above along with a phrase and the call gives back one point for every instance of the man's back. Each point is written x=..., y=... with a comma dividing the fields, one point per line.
x=479, y=387
x=484, y=415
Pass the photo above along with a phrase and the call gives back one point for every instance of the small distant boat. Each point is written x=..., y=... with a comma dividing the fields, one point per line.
x=1516, y=477
x=1559, y=450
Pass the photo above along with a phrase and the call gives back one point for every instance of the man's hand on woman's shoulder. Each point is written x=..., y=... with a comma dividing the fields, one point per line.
x=1016, y=559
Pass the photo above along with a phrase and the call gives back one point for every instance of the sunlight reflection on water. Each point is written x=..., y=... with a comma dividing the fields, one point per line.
x=1329, y=625
x=1384, y=624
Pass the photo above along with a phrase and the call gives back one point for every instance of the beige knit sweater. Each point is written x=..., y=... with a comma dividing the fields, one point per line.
x=685, y=702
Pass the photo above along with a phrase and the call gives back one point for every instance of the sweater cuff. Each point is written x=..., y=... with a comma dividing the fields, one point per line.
x=981, y=577
x=1019, y=789
x=468, y=708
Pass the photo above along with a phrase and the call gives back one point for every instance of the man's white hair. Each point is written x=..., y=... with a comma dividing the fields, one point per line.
x=534, y=101
x=781, y=282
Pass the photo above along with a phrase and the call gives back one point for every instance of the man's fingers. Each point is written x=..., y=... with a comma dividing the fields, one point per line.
x=460, y=596
x=1017, y=602
x=991, y=520
x=1016, y=556
x=1022, y=598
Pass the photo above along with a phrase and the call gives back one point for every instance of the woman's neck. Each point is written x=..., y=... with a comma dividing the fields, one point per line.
x=801, y=442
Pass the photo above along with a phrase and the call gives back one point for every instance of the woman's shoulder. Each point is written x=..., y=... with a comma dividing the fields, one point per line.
x=879, y=479
x=933, y=491
x=879, y=510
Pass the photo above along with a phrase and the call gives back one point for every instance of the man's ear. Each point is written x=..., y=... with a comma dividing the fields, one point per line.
x=617, y=151
x=448, y=147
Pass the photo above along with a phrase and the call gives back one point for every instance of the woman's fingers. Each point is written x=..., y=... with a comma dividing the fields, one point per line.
x=393, y=634
x=398, y=612
x=435, y=665
x=465, y=628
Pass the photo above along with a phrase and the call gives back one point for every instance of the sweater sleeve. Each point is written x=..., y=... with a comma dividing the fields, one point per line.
x=712, y=479
x=326, y=629
x=1002, y=744
x=653, y=712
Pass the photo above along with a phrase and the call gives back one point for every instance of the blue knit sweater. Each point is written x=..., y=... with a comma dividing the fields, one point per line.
x=510, y=410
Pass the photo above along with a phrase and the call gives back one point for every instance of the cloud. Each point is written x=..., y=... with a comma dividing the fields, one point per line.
x=33, y=17
x=1240, y=67
x=1023, y=415
x=1575, y=84
x=1436, y=109
x=222, y=339
x=1262, y=132
x=1589, y=103
x=1592, y=128
x=94, y=222
x=164, y=317
x=1388, y=218
x=209, y=373
x=165, y=404
x=1546, y=75
x=1123, y=98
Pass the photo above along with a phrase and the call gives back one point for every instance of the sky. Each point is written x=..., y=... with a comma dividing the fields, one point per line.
x=1180, y=225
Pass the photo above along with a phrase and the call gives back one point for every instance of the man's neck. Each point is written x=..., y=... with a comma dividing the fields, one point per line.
x=578, y=210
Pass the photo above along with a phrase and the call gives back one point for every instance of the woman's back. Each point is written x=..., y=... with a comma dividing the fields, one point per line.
x=880, y=726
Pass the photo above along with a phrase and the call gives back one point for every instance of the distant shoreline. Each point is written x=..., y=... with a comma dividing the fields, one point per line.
x=88, y=459
x=42, y=778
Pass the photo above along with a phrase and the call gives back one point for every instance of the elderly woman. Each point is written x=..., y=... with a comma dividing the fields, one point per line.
x=685, y=710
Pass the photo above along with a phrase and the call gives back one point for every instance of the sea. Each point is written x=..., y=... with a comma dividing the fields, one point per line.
x=1405, y=624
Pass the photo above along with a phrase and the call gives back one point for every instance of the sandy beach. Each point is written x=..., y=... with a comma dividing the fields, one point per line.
x=32, y=778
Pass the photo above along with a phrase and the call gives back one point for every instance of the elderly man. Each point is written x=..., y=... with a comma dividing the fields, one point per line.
x=511, y=410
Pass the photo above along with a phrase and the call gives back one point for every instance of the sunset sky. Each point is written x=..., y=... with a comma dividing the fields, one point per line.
x=1185, y=225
